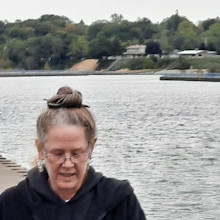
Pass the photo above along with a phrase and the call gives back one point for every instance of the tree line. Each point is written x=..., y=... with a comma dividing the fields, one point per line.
x=55, y=42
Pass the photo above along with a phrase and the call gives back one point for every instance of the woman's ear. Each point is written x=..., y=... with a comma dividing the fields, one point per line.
x=39, y=148
x=93, y=142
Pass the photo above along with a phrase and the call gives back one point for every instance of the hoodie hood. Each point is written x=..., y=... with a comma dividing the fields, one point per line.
x=97, y=197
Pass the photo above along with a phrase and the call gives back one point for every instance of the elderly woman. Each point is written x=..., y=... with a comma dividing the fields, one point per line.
x=64, y=186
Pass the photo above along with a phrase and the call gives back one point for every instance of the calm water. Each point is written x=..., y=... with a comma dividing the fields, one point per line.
x=161, y=135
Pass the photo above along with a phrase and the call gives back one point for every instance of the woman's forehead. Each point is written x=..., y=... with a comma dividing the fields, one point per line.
x=68, y=135
x=71, y=131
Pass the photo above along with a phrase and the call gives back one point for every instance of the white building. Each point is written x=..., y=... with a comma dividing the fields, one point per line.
x=197, y=53
x=135, y=50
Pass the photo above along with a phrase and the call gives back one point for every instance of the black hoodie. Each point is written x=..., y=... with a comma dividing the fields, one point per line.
x=99, y=198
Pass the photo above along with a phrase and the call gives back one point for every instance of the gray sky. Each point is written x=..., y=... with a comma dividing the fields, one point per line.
x=90, y=11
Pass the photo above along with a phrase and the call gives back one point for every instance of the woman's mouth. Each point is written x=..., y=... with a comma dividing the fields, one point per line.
x=67, y=174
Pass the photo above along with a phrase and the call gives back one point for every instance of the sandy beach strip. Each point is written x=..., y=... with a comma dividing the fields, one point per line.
x=10, y=173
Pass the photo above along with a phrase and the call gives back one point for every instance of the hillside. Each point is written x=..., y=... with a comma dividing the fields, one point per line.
x=86, y=65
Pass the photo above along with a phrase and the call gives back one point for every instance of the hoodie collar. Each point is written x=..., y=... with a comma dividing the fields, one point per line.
x=39, y=182
x=91, y=180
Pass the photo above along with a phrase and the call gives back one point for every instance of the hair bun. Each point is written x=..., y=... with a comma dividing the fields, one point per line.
x=64, y=90
x=66, y=98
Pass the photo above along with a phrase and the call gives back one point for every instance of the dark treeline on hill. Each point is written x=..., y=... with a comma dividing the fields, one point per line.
x=55, y=42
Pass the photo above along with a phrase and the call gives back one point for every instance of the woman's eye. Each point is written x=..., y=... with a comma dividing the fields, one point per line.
x=57, y=153
x=76, y=154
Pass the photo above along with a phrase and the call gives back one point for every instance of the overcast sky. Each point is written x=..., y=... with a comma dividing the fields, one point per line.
x=90, y=11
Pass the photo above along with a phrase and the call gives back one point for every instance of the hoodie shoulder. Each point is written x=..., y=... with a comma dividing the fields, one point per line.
x=111, y=191
x=109, y=186
x=13, y=203
x=12, y=192
x=119, y=200
x=112, y=185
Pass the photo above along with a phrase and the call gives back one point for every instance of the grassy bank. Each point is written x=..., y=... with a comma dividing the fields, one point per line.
x=210, y=63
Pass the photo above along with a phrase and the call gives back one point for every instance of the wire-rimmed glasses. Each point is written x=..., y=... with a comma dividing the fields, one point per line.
x=75, y=158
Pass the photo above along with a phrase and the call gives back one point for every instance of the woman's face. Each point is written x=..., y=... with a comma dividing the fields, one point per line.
x=67, y=177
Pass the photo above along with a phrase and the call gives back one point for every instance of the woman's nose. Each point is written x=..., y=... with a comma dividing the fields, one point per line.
x=67, y=162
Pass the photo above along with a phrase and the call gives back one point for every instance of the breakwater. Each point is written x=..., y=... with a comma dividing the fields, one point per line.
x=211, y=77
x=10, y=173
x=13, y=166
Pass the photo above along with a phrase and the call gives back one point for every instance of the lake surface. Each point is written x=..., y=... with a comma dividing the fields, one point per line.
x=164, y=136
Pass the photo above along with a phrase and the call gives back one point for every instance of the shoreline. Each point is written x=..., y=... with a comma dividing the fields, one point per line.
x=69, y=72
x=10, y=173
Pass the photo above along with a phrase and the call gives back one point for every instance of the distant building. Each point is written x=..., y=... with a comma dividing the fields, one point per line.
x=173, y=54
x=197, y=53
x=135, y=50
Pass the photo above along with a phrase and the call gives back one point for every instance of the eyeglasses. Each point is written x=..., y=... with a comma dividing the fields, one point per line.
x=75, y=158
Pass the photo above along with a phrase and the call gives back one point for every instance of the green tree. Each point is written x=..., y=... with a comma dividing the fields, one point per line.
x=117, y=18
x=116, y=47
x=186, y=36
x=153, y=48
x=2, y=27
x=16, y=51
x=69, y=28
x=163, y=40
x=78, y=47
x=173, y=22
x=95, y=28
x=207, y=23
x=81, y=28
x=100, y=47
x=147, y=28
x=186, y=28
x=51, y=50
x=212, y=37
x=166, y=33
x=43, y=28
x=20, y=32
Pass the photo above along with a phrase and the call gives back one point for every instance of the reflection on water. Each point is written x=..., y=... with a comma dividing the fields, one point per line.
x=161, y=135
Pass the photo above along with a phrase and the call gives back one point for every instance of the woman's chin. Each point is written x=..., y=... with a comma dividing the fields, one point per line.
x=67, y=182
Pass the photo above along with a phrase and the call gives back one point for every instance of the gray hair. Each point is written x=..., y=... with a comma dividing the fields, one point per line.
x=65, y=108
